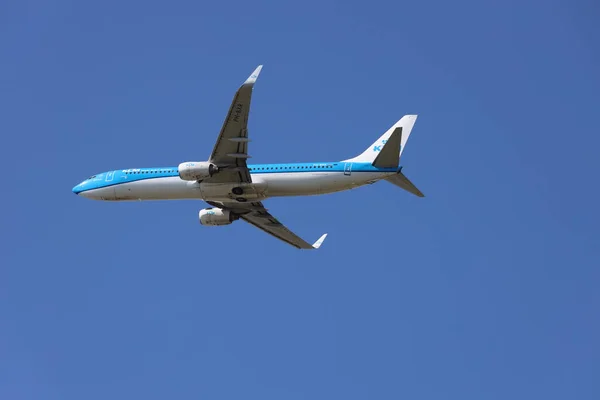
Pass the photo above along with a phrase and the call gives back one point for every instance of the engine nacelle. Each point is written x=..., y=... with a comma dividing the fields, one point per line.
x=216, y=216
x=195, y=171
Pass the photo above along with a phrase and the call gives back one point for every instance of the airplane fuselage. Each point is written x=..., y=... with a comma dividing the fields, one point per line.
x=236, y=190
x=268, y=180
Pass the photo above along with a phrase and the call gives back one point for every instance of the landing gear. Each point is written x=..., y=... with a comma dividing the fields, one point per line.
x=237, y=191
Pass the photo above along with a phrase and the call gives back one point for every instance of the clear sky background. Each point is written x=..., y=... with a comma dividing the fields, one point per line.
x=485, y=289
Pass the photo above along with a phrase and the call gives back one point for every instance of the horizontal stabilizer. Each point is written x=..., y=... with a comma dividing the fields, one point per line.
x=402, y=181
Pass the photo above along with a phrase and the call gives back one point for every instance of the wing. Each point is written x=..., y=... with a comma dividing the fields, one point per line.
x=231, y=149
x=256, y=214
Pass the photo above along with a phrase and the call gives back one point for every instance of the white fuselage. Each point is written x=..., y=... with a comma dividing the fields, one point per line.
x=264, y=185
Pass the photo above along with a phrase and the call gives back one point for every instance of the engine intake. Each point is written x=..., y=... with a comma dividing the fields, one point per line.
x=216, y=216
x=195, y=171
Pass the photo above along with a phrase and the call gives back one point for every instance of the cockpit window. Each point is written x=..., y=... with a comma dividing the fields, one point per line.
x=91, y=177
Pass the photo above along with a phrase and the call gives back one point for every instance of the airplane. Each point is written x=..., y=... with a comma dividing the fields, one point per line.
x=235, y=189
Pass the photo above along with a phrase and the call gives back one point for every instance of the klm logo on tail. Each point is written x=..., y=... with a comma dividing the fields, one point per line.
x=378, y=148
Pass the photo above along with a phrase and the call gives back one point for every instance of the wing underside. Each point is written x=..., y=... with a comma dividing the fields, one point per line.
x=231, y=149
x=256, y=214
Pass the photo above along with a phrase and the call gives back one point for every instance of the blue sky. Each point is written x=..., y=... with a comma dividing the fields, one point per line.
x=486, y=288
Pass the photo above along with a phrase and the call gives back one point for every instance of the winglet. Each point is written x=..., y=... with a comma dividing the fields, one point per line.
x=252, y=78
x=319, y=242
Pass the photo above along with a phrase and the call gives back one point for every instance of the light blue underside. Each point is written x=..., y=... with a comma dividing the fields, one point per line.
x=117, y=177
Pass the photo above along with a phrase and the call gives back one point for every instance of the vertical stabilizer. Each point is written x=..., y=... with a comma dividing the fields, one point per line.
x=402, y=128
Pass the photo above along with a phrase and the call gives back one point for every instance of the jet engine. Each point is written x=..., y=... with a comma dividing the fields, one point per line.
x=216, y=217
x=195, y=171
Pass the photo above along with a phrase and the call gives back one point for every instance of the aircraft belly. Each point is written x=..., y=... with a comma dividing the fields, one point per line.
x=358, y=179
x=307, y=183
x=105, y=193
x=302, y=183
x=223, y=192
x=291, y=184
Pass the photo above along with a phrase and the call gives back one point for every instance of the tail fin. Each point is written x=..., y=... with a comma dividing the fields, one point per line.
x=386, y=151
x=402, y=181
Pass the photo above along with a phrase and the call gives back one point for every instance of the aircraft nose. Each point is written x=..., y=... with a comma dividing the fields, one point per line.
x=77, y=189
